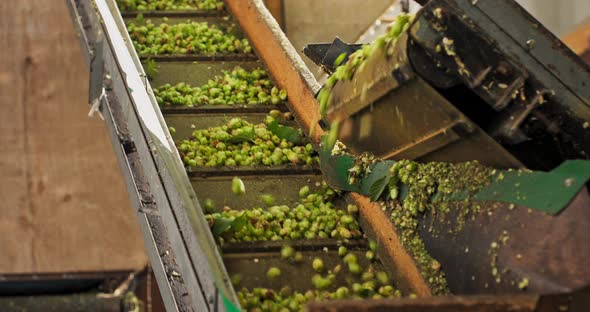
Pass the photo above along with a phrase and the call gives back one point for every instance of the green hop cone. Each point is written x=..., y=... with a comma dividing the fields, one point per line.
x=237, y=186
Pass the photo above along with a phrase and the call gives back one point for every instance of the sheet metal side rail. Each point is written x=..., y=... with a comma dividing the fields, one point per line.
x=80, y=10
x=171, y=226
x=163, y=261
x=155, y=205
x=547, y=49
x=546, y=57
x=183, y=270
x=290, y=73
x=187, y=216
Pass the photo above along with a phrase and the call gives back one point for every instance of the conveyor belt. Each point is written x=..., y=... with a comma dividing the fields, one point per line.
x=249, y=261
x=192, y=272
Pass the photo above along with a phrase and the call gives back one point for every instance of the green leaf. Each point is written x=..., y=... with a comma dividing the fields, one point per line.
x=221, y=226
x=151, y=68
x=286, y=133
x=140, y=19
x=403, y=192
x=379, y=171
x=333, y=134
x=335, y=168
x=243, y=137
x=239, y=222
x=377, y=188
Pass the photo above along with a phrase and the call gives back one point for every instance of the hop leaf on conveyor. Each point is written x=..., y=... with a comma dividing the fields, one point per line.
x=151, y=68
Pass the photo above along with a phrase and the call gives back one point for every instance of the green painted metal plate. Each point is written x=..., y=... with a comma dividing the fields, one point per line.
x=549, y=192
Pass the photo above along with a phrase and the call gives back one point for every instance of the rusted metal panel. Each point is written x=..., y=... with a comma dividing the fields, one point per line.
x=376, y=223
x=541, y=251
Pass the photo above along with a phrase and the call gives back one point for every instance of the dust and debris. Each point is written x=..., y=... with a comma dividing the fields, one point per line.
x=530, y=43
x=448, y=44
x=523, y=284
x=438, y=13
